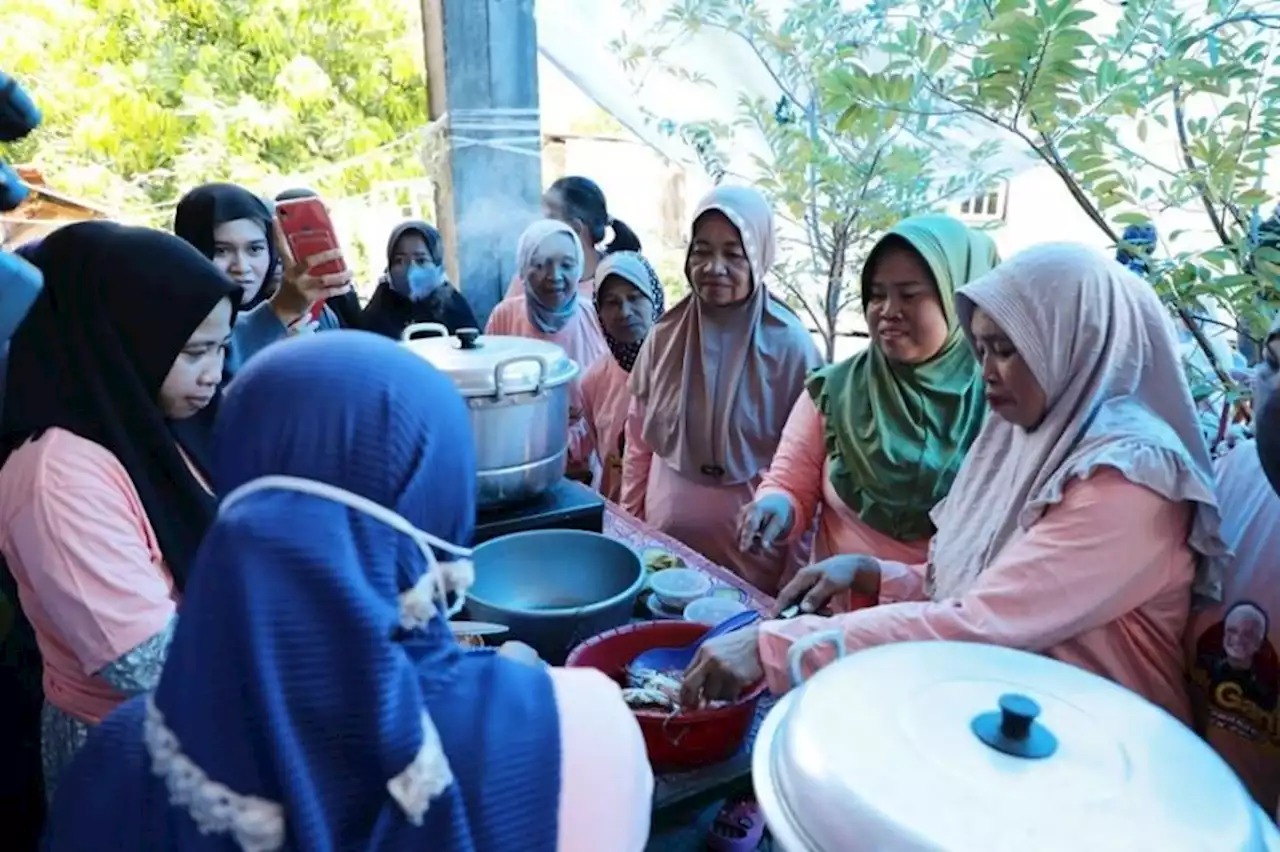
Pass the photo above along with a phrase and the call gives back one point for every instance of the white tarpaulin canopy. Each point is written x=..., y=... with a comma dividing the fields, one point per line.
x=576, y=37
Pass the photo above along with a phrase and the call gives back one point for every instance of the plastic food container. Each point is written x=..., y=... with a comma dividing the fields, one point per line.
x=713, y=610
x=679, y=587
x=674, y=741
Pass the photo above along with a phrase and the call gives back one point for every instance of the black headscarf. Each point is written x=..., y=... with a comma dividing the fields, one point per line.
x=206, y=207
x=118, y=306
x=347, y=306
x=389, y=312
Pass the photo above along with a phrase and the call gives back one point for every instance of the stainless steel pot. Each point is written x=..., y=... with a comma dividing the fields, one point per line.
x=518, y=393
x=956, y=747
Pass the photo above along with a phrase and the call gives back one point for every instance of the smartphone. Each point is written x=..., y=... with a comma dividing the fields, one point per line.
x=308, y=231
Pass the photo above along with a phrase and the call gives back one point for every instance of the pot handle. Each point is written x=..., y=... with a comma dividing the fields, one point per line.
x=507, y=362
x=413, y=329
x=805, y=644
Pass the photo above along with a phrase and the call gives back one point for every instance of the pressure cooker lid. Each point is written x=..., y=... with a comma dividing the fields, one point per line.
x=974, y=748
x=490, y=364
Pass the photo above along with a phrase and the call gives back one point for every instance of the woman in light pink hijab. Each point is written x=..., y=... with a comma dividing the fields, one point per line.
x=549, y=260
x=1084, y=517
x=712, y=388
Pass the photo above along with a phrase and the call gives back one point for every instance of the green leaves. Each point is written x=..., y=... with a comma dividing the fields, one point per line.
x=145, y=98
x=1166, y=113
x=855, y=154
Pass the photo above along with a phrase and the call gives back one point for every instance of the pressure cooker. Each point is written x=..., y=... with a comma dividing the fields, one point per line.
x=517, y=390
x=959, y=747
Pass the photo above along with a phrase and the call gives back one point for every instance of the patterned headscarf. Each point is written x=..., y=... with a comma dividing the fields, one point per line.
x=635, y=270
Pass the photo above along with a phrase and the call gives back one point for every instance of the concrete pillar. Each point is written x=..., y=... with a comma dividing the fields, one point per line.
x=482, y=73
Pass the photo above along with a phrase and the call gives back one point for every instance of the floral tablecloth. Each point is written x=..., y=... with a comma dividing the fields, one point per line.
x=623, y=527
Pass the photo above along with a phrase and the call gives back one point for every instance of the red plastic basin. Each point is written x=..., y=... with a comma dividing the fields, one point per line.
x=684, y=740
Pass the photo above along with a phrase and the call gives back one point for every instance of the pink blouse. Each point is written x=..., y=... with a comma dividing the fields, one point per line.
x=606, y=785
x=801, y=473
x=90, y=575
x=582, y=340
x=1101, y=581
x=705, y=517
x=605, y=401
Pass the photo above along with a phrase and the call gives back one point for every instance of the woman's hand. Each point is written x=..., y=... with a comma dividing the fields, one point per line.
x=764, y=523
x=300, y=288
x=723, y=668
x=519, y=652
x=814, y=585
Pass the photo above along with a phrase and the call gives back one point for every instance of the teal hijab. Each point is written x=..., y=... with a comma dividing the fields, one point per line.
x=896, y=434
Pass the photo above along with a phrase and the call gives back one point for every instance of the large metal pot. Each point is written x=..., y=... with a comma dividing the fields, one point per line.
x=554, y=588
x=518, y=393
x=954, y=747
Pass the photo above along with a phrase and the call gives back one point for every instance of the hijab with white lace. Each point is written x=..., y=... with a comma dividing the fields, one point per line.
x=314, y=698
x=1096, y=339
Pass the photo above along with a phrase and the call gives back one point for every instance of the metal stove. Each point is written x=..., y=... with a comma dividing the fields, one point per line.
x=567, y=506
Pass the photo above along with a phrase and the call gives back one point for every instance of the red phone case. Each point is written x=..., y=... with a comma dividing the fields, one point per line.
x=309, y=231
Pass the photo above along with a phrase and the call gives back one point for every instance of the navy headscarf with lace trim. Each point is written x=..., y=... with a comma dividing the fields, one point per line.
x=290, y=681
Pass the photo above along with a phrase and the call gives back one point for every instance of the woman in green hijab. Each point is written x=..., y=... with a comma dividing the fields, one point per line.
x=879, y=437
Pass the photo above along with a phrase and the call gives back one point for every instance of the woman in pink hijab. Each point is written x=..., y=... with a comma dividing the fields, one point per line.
x=712, y=387
x=1084, y=516
x=549, y=260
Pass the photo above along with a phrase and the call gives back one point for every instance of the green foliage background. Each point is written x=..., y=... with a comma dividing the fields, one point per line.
x=144, y=99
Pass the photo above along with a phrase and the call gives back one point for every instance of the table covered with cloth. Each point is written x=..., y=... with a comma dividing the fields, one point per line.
x=679, y=788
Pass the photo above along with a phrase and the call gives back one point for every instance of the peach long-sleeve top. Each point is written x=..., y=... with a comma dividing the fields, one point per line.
x=705, y=517
x=800, y=472
x=581, y=339
x=1101, y=581
x=606, y=784
x=606, y=399
x=90, y=575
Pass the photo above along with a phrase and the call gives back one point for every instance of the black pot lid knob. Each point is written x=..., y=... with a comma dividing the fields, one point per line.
x=1014, y=730
x=467, y=337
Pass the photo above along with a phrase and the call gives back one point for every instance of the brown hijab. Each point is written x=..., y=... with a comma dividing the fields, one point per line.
x=718, y=383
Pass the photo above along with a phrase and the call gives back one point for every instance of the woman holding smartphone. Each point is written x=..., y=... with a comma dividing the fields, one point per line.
x=236, y=230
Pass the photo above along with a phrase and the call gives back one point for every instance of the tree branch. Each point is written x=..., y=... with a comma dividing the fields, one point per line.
x=1184, y=147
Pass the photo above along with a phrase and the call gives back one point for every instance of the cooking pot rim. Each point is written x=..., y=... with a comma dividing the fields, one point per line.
x=493, y=374
x=559, y=612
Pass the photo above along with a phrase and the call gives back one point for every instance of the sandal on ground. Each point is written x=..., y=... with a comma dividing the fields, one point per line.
x=739, y=827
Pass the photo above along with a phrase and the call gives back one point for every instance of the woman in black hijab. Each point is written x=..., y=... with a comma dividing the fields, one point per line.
x=234, y=228
x=414, y=287
x=103, y=497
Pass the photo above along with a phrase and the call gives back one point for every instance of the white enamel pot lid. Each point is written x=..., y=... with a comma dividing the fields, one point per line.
x=880, y=752
x=490, y=364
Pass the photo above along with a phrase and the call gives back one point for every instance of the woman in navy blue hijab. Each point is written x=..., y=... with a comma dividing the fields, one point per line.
x=314, y=697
